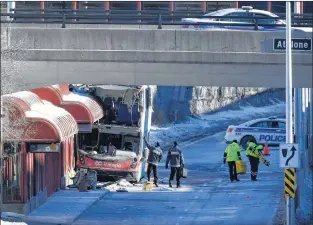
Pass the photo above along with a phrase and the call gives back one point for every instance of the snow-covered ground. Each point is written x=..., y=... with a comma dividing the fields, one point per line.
x=12, y=219
x=200, y=126
x=212, y=123
x=207, y=196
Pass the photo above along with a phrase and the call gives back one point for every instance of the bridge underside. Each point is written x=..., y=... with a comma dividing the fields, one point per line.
x=156, y=57
x=45, y=67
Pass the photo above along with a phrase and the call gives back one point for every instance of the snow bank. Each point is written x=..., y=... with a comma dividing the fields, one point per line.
x=10, y=218
x=4, y=222
x=214, y=122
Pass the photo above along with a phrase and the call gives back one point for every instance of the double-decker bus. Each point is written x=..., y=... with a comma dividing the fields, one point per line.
x=115, y=147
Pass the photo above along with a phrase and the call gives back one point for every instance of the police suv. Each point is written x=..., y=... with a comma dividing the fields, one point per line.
x=270, y=130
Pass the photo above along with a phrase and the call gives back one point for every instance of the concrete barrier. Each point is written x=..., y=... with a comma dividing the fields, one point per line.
x=147, y=39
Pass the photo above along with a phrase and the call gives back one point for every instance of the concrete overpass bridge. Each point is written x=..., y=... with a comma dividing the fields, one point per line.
x=157, y=57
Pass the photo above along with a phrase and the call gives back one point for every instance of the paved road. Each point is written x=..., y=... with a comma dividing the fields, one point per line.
x=207, y=196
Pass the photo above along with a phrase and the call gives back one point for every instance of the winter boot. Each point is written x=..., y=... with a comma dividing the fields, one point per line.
x=169, y=183
x=178, y=184
x=156, y=183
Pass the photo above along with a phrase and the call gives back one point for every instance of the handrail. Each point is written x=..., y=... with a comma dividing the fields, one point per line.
x=127, y=16
x=132, y=11
x=151, y=17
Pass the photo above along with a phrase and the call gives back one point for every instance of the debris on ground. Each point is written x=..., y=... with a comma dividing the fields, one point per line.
x=124, y=183
x=121, y=190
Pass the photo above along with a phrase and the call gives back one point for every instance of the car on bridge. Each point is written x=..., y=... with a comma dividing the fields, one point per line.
x=271, y=131
x=243, y=19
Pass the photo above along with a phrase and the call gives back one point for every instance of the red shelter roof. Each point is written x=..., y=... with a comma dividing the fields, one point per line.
x=83, y=108
x=42, y=121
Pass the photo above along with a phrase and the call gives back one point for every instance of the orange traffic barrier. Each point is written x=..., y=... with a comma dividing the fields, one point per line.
x=266, y=150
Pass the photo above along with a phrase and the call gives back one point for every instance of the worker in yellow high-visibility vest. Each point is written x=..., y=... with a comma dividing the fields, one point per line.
x=254, y=153
x=231, y=155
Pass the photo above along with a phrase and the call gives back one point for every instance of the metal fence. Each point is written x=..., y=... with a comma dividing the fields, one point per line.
x=135, y=17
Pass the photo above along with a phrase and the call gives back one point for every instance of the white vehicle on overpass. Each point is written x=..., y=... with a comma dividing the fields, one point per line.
x=248, y=15
x=270, y=130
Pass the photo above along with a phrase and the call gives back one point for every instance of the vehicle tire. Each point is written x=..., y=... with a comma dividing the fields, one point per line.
x=245, y=140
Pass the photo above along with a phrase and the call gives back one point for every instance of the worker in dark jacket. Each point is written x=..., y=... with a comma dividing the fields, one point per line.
x=154, y=157
x=176, y=159
x=231, y=155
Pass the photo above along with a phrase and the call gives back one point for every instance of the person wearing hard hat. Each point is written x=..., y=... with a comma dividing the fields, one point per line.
x=254, y=152
x=231, y=155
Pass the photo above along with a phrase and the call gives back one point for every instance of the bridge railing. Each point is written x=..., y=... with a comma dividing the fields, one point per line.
x=142, y=17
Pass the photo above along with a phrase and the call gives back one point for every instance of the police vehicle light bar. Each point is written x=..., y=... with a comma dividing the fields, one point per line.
x=247, y=8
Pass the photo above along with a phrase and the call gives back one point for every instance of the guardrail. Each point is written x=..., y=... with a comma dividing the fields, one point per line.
x=142, y=17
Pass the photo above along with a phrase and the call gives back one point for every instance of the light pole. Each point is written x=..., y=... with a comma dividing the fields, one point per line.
x=290, y=203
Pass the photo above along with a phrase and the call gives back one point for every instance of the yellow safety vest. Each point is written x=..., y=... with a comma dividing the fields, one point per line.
x=232, y=152
x=253, y=150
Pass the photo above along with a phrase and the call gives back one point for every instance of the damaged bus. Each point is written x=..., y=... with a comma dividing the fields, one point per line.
x=115, y=147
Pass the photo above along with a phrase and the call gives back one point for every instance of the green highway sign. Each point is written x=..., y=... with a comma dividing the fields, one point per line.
x=299, y=44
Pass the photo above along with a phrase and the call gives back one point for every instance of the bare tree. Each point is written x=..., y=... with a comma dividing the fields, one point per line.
x=13, y=124
x=11, y=81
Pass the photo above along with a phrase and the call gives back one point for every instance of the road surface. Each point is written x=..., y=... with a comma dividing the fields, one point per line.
x=207, y=196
